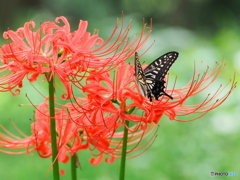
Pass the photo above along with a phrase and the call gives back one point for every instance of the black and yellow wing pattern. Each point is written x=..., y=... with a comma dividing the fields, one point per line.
x=151, y=80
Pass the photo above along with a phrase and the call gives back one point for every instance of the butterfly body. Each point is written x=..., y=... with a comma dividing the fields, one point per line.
x=151, y=80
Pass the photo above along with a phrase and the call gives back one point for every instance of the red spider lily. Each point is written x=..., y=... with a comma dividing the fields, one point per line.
x=96, y=122
x=119, y=95
x=55, y=50
x=75, y=132
x=111, y=102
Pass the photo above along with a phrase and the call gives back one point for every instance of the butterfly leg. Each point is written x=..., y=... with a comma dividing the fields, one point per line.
x=167, y=95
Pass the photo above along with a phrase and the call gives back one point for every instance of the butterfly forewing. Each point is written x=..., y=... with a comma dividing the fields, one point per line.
x=140, y=76
x=156, y=72
x=151, y=79
x=159, y=68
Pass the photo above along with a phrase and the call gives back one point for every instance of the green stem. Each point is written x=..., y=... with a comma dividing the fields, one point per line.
x=74, y=167
x=124, y=152
x=53, y=130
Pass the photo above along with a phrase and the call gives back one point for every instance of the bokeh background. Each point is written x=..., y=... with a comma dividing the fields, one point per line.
x=200, y=30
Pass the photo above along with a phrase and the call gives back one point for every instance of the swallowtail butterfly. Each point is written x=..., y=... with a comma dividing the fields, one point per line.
x=151, y=80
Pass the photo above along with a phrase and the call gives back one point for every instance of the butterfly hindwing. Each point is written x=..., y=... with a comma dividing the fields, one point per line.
x=151, y=79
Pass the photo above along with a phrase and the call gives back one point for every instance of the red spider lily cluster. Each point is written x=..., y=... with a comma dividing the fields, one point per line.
x=54, y=50
x=94, y=121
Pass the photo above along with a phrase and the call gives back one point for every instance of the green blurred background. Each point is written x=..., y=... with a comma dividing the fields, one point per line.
x=200, y=30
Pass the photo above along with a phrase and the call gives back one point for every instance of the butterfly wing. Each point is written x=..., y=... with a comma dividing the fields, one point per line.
x=156, y=71
x=140, y=77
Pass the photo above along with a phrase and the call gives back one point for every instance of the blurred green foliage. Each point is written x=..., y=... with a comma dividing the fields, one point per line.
x=200, y=31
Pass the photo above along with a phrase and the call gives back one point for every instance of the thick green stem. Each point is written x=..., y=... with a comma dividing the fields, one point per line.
x=74, y=167
x=53, y=130
x=124, y=152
